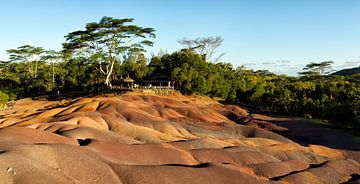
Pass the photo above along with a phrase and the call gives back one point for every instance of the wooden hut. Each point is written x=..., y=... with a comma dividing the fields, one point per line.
x=129, y=82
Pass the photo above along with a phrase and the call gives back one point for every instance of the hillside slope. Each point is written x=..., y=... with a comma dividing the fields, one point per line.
x=136, y=138
x=347, y=72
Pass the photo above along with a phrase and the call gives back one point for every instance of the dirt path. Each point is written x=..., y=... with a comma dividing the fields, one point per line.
x=305, y=133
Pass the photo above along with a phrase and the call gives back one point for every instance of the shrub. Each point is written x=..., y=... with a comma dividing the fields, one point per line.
x=3, y=98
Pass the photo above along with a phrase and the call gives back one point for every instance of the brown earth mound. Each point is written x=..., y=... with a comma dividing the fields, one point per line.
x=136, y=138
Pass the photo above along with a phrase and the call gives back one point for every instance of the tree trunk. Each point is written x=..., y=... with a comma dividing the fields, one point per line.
x=53, y=73
x=107, y=80
x=36, y=67
x=108, y=76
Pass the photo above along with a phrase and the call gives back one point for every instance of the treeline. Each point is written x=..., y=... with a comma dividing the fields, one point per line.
x=96, y=58
x=335, y=98
x=330, y=97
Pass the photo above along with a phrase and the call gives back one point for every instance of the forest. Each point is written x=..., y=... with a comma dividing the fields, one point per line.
x=94, y=59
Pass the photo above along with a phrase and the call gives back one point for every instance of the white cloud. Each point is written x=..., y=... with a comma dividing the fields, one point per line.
x=348, y=64
x=268, y=63
x=283, y=61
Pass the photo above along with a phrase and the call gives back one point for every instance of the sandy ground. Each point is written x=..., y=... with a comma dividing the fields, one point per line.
x=136, y=138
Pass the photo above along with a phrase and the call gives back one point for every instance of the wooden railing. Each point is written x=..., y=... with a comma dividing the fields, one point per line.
x=143, y=87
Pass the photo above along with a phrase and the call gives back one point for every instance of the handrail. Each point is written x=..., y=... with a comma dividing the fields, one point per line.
x=142, y=87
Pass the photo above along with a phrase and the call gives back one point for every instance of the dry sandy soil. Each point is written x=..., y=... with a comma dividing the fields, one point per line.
x=136, y=138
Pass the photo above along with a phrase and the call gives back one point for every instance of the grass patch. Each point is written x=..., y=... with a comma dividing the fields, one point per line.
x=316, y=121
x=356, y=139
x=354, y=132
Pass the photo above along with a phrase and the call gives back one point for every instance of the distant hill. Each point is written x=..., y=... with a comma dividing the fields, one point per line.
x=347, y=72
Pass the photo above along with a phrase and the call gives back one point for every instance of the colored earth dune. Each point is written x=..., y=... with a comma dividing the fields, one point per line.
x=137, y=138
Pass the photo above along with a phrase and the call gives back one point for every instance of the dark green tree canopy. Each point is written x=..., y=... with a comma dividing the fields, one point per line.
x=25, y=53
x=105, y=41
x=317, y=68
x=109, y=34
x=30, y=55
x=135, y=64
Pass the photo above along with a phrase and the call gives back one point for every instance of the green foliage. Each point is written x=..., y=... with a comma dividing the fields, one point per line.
x=135, y=64
x=108, y=49
x=205, y=47
x=3, y=98
x=328, y=97
x=104, y=42
x=29, y=55
x=315, y=69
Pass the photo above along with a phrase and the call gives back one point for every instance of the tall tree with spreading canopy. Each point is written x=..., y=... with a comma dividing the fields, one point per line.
x=29, y=55
x=206, y=46
x=106, y=41
x=52, y=57
x=314, y=69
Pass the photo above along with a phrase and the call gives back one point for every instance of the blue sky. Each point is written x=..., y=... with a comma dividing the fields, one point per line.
x=279, y=35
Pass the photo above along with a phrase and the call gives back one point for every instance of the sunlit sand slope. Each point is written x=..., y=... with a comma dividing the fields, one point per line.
x=136, y=138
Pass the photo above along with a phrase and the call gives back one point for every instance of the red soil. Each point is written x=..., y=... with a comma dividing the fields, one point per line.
x=136, y=138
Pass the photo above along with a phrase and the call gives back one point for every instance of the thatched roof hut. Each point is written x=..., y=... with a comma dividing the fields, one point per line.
x=128, y=79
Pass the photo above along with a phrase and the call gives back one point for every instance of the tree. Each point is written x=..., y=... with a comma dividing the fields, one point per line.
x=53, y=57
x=9, y=78
x=8, y=73
x=29, y=55
x=107, y=40
x=314, y=69
x=204, y=46
x=76, y=73
x=136, y=65
x=3, y=99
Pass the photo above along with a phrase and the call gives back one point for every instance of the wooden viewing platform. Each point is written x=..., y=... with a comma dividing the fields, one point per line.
x=159, y=84
x=158, y=90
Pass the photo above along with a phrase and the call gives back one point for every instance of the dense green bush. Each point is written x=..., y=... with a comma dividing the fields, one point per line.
x=3, y=99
